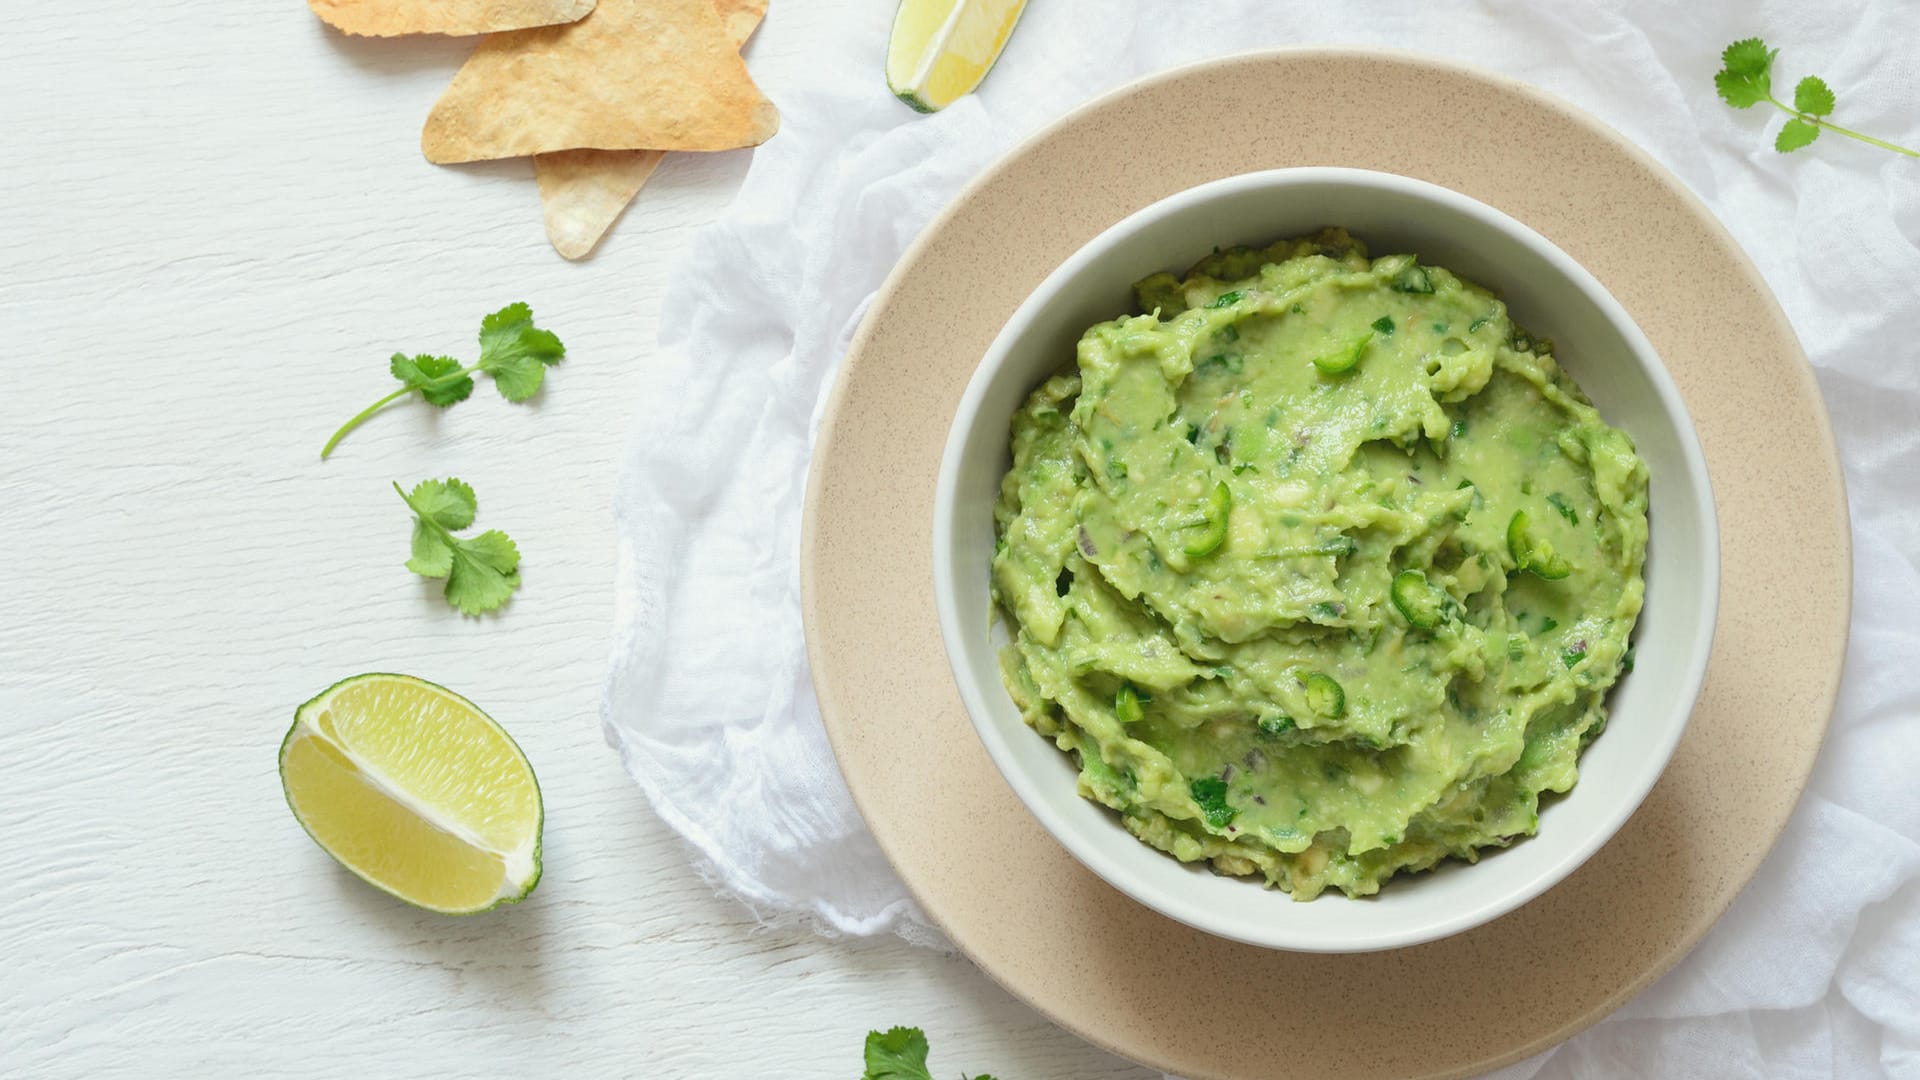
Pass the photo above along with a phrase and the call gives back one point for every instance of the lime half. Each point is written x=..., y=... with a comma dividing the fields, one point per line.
x=415, y=790
x=941, y=49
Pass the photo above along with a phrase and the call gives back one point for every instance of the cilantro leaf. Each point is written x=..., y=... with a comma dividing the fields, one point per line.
x=1796, y=134
x=1746, y=74
x=1745, y=79
x=448, y=503
x=1813, y=96
x=432, y=555
x=441, y=506
x=483, y=574
x=899, y=1054
x=426, y=374
x=1748, y=57
x=517, y=353
x=481, y=571
x=513, y=351
x=1210, y=793
x=1740, y=91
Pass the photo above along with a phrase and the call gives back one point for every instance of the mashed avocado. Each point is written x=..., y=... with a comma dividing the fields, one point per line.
x=1321, y=569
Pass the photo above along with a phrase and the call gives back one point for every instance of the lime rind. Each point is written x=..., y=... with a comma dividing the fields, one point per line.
x=912, y=101
x=512, y=891
x=906, y=83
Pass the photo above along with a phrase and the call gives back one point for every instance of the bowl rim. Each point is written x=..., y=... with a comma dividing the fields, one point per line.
x=1001, y=749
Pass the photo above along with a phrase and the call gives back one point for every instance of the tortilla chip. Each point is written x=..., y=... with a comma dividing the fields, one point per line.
x=583, y=192
x=386, y=18
x=633, y=75
x=741, y=17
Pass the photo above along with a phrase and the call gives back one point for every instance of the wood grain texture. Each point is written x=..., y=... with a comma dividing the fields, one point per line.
x=219, y=226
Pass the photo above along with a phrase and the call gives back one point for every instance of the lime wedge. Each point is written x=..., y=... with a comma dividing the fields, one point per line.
x=941, y=49
x=415, y=790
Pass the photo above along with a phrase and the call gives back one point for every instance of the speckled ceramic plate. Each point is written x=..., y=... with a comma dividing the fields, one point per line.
x=1204, y=1007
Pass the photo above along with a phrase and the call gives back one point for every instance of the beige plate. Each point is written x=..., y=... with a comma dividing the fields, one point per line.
x=1175, y=998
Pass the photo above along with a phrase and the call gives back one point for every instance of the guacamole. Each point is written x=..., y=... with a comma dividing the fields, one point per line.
x=1320, y=569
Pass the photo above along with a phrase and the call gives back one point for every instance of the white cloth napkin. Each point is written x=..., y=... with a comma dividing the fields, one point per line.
x=1816, y=969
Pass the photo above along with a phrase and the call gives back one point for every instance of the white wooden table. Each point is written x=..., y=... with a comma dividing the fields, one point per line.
x=217, y=227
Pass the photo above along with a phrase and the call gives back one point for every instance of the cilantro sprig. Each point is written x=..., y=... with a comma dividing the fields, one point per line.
x=513, y=352
x=899, y=1054
x=1745, y=79
x=481, y=571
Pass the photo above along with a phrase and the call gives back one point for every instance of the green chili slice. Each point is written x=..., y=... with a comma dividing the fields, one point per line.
x=1126, y=705
x=1532, y=553
x=1416, y=599
x=1325, y=697
x=1213, y=531
x=1336, y=363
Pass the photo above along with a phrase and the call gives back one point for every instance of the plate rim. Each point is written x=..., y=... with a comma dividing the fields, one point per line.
x=829, y=416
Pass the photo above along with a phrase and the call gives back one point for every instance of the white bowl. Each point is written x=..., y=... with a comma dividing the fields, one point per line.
x=1546, y=292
